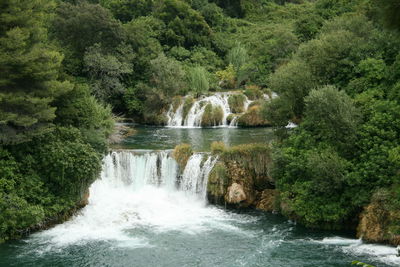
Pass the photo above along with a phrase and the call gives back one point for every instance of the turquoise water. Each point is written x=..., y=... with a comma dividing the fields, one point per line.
x=200, y=139
x=247, y=239
x=135, y=223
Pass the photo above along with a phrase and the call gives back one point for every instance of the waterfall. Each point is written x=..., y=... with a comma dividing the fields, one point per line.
x=194, y=116
x=175, y=118
x=135, y=169
x=195, y=175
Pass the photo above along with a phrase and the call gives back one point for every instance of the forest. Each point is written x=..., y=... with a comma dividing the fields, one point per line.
x=69, y=69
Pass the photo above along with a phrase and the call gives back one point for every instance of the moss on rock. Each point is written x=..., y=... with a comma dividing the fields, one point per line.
x=268, y=200
x=218, y=183
x=253, y=117
x=380, y=220
x=236, y=103
x=253, y=92
x=182, y=154
x=247, y=166
x=187, y=105
x=217, y=147
x=212, y=116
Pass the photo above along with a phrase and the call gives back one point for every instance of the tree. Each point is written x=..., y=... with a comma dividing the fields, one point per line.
x=198, y=81
x=331, y=116
x=79, y=109
x=80, y=26
x=167, y=76
x=29, y=71
x=127, y=10
x=390, y=12
x=342, y=44
x=293, y=82
x=184, y=25
x=106, y=71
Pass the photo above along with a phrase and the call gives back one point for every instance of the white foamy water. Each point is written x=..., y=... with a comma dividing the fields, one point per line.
x=356, y=247
x=143, y=190
x=195, y=114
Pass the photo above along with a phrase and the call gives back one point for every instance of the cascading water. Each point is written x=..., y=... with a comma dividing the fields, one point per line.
x=140, y=188
x=195, y=175
x=195, y=114
x=142, y=212
x=138, y=169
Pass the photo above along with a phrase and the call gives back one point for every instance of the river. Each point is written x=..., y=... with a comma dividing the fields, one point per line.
x=143, y=213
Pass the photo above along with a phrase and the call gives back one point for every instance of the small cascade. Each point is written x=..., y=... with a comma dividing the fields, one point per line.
x=194, y=117
x=234, y=122
x=195, y=176
x=175, y=118
x=135, y=169
x=196, y=112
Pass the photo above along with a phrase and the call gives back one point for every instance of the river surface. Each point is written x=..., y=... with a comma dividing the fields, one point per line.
x=143, y=213
x=199, y=138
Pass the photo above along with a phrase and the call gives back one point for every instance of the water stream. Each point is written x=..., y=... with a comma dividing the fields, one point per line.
x=195, y=114
x=144, y=212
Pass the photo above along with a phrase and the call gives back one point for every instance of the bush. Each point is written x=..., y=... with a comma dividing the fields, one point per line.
x=198, y=81
x=253, y=92
x=253, y=117
x=212, y=116
x=217, y=147
x=227, y=77
x=182, y=154
x=236, y=103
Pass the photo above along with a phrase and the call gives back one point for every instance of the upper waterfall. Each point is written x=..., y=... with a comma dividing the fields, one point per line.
x=213, y=110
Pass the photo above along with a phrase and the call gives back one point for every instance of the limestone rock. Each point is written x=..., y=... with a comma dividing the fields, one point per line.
x=235, y=194
x=267, y=200
x=375, y=222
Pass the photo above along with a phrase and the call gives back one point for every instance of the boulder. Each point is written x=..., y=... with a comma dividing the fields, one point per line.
x=235, y=194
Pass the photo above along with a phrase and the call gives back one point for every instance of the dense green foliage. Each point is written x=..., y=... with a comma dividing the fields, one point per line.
x=65, y=65
x=52, y=130
x=341, y=87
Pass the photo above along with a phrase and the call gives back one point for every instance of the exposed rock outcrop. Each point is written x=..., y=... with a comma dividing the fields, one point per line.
x=235, y=194
x=268, y=200
x=379, y=222
x=240, y=176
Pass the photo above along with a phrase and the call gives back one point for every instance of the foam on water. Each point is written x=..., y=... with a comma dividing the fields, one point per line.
x=143, y=190
x=356, y=247
x=195, y=114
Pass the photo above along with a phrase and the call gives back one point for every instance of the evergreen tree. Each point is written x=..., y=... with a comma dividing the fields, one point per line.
x=28, y=71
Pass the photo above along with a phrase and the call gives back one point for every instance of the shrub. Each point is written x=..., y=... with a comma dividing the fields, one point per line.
x=217, y=147
x=182, y=154
x=253, y=92
x=253, y=117
x=212, y=116
x=236, y=103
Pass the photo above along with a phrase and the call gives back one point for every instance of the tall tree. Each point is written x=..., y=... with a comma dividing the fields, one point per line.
x=29, y=70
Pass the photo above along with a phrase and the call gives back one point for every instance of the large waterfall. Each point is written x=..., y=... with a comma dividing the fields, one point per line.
x=135, y=169
x=195, y=115
x=141, y=188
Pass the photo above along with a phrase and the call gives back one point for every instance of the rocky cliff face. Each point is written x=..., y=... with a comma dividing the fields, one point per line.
x=241, y=178
x=379, y=222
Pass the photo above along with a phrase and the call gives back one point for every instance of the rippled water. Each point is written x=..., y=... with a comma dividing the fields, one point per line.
x=137, y=216
x=200, y=139
x=161, y=227
x=195, y=236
